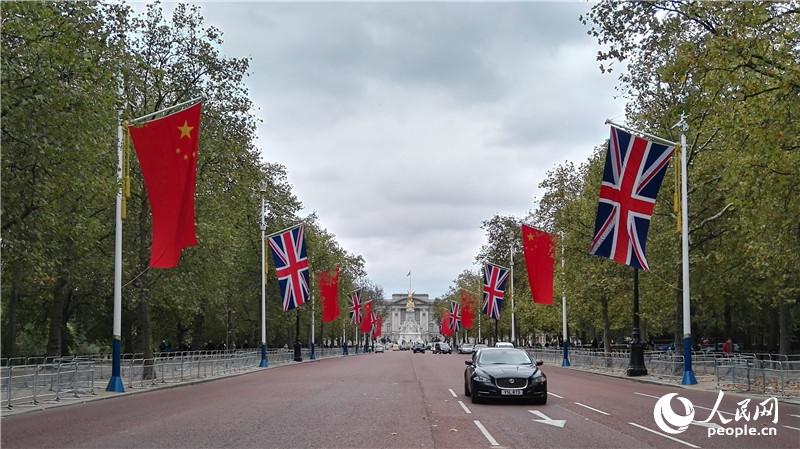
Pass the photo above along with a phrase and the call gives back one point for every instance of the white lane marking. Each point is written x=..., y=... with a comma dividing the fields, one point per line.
x=648, y=395
x=464, y=407
x=664, y=435
x=486, y=433
x=793, y=428
x=553, y=394
x=695, y=406
x=592, y=408
x=453, y=392
x=796, y=416
x=546, y=419
x=710, y=425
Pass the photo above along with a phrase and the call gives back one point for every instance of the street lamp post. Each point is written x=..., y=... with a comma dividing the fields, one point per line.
x=264, y=362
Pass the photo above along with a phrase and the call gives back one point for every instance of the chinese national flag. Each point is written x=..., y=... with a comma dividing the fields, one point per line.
x=167, y=152
x=366, y=320
x=329, y=290
x=538, y=249
x=467, y=315
x=445, y=325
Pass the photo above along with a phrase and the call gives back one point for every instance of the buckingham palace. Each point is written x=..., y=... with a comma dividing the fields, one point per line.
x=410, y=318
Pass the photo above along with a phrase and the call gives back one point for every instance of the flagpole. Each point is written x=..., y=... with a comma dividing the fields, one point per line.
x=175, y=106
x=264, y=362
x=115, y=384
x=513, y=320
x=634, y=130
x=565, y=344
x=313, y=307
x=688, y=374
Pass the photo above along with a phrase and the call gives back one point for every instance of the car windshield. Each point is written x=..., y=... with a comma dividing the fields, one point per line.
x=504, y=357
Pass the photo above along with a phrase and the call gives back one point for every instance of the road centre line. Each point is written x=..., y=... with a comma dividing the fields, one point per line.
x=553, y=394
x=793, y=428
x=592, y=408
x=664, y=435
x=486, y=433
x=695, y=405
x=464, y=407
x=452, y=392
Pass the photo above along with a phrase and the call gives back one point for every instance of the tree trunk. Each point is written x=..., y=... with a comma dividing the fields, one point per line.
x=198, y=336
x=606, y=325
x=728, y=318
x=785, y=327
x=10, y=340
x=772, y=331
x=145, y=339
x=56, y=317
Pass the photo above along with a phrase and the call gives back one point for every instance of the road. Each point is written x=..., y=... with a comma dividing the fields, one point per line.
x=397, y=400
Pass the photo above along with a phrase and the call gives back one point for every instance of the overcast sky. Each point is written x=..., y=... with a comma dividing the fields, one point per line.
x=404, y=126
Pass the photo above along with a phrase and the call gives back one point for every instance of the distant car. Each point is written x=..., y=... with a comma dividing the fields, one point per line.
x=405, y=346
x=504, y=373
x=395, y=347
x=478, y=347
x=442, y=348
x=379, y=348
x=466, y=348
x=418, y=347
x=503, y=344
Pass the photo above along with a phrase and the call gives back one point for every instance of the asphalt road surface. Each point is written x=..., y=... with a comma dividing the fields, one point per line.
x=397, y=400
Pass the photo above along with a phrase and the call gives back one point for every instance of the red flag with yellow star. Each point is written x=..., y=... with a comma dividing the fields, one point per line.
x=167, y=153
x=329, y=290
x=538, y=249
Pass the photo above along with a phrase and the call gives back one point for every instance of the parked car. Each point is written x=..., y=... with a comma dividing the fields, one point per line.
x=503, y=344
x=405, y=346
x=418, y=347
x=379, y=348
x=466, y=348
x=442, y=348
x=504, y=373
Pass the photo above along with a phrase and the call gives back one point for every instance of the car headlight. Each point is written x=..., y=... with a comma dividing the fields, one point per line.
x=479, y=378
x=538, y=378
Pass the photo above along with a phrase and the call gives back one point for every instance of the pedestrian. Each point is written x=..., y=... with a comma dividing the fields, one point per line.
x=727, y=348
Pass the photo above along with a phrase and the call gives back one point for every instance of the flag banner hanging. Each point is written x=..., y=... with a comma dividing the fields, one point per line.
x=355, y=307
x=366, y=320
x=467, y=311
x=378, y=327
x=291, y=266
x=494, y=288
x=632, y=176
x=445, y=326
x=373, y=323
x=329, y=290
x=167, y=153
x=455, y=317
x=537, y=246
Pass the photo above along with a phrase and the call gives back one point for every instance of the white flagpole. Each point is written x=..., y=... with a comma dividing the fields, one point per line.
x=115, y=384
x=688, y=374
x=313, y=307
x=513, y=320
x=264, y=362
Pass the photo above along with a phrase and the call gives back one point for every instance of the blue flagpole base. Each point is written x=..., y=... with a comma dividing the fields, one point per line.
x=688, y=374
x=264, y=362
x=115, y=385
x=313, y=355
x=565, y=361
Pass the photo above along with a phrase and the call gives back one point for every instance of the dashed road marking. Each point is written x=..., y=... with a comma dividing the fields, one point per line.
x=553, y=394
x=793, y=428
x=466, y=410
x=664, y=435
x=648, y=395
x=593, y=409
x=486, y=433
x=453, y=392
x=796, y=416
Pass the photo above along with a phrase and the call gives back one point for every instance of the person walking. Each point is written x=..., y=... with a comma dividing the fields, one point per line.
x=727, y=347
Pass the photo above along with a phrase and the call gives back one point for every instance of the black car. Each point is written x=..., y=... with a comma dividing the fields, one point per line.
x=504, y=373
x=418, y=347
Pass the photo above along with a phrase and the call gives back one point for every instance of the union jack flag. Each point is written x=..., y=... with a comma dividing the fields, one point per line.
x=494, y=287
x=355, y=307
x=374, y=322
x=291, y=265
x=455, y=316
x=632, y=176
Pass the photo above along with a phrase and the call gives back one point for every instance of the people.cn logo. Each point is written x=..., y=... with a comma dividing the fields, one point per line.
x=666, y=418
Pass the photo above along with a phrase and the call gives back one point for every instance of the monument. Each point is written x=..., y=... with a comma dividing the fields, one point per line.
x=410, y=319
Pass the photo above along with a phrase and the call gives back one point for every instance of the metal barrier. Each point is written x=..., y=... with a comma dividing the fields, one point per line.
x=60, y=378
x=772, y=374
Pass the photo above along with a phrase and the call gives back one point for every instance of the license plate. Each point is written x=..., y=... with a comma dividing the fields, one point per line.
x=511, y=392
